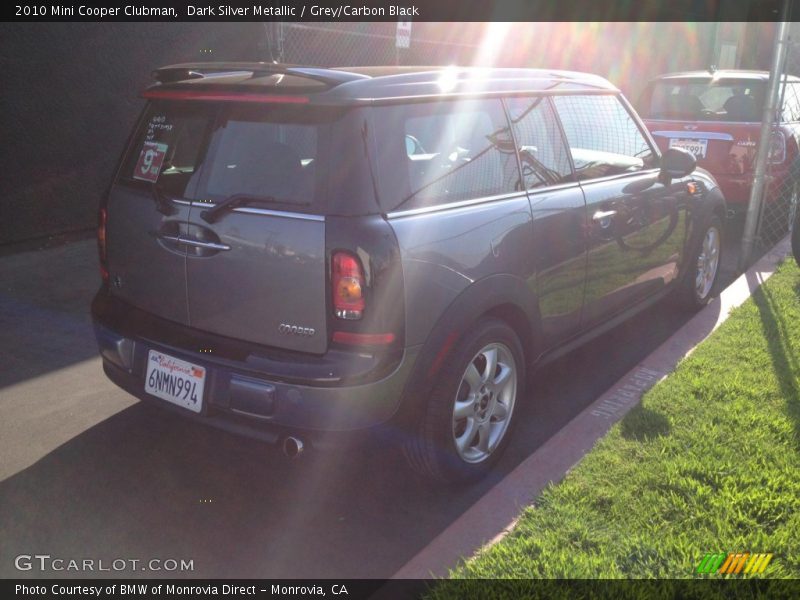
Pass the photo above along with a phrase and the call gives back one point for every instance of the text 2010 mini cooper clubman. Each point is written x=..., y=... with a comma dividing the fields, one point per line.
x=288, y=251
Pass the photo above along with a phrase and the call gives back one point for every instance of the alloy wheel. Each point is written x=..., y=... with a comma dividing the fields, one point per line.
x=707, y=263
x=484, y=402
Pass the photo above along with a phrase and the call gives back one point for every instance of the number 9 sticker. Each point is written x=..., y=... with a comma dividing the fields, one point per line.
x=150, y=160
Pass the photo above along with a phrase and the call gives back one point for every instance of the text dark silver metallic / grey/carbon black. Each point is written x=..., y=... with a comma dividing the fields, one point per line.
x=313, y=252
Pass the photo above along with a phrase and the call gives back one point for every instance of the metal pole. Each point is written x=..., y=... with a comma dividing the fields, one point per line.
x=767, y=119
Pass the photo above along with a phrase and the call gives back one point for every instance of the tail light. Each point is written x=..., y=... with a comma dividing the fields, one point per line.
x=347, y=279
x=777, y=147
x=102, y=218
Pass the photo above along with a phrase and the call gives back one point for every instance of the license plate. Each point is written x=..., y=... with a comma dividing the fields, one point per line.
x=175, y=380
x=697, y=147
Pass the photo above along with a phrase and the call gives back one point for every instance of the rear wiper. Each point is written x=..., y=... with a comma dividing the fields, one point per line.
x=163, y=201
x=211, y=215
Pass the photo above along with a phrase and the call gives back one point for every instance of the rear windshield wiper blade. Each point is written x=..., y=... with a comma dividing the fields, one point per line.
x=163, y=201
x=230, y=203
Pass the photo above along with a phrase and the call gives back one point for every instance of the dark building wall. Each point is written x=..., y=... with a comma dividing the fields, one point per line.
x=68, y=99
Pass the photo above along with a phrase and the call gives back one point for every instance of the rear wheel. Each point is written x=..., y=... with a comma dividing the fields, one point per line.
x=700, y=283
x=470, y=412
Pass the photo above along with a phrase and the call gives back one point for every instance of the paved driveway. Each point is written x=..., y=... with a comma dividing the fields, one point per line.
x=88, y=472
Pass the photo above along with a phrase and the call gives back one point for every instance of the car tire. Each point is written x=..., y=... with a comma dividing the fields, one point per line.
x=471, y=410
x=700, y=282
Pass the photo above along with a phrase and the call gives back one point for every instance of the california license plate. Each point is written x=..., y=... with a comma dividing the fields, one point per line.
x=175, y=380
x=697, y=147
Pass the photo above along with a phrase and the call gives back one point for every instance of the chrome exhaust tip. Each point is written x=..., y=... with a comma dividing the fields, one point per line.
x=292, y=447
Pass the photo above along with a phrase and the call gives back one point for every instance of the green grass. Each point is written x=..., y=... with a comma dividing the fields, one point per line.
x=709, y=462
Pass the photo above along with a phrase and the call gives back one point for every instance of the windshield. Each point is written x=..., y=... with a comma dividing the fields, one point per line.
x=210, y=152
x=730, y=100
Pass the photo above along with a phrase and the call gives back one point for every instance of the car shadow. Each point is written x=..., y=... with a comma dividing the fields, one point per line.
x=144, y=484
x=784, y=360
x=44, y=310
x=644, y=424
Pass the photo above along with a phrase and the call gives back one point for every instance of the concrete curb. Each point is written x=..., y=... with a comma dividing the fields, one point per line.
x=495, y=514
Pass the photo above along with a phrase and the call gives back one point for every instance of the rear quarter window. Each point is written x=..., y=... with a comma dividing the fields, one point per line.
x=436, y=153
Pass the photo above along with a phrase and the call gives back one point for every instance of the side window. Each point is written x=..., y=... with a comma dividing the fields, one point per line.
x=791, y=103
x=435, y=153
x=604, y=139
x=541, y=147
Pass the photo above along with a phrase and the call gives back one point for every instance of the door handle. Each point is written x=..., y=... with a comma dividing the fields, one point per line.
x=603, y=218
x=604, y=215
x=192, y=242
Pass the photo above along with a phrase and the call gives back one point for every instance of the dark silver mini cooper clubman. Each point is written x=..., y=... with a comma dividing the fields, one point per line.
x=289, y=252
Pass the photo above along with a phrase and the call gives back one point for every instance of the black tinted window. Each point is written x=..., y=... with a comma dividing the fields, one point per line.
x=435, y=153
x=541, y=147
x=603, y=137
x=705, y=100
x=265, y=153
x=168, y=146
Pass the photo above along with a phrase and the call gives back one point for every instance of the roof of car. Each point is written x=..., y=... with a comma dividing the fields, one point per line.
x=344, y=85
x=721, y=74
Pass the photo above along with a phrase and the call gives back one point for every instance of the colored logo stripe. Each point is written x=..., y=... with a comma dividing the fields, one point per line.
x=734, y=563
x=710, y=563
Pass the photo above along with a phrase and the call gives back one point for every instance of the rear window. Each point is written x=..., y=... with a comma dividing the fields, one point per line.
x=264, y=153
x=209, y=152
x=733, y=100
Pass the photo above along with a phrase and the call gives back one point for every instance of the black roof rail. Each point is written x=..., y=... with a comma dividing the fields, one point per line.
x=183, y=71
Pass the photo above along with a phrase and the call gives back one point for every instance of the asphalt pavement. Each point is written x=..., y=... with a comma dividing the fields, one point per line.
x=88, y=472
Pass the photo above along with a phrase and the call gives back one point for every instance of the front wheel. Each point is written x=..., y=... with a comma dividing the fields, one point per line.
x=701, y=281
x=470, y=412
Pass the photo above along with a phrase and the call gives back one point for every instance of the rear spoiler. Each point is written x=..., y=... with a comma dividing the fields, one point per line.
x=185, y=71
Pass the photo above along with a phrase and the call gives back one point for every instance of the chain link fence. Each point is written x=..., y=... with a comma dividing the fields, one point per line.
x=365, y=44
x=781, y=193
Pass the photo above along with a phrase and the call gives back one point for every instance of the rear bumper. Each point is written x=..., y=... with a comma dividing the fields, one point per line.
x=252, y=390
x=736, y=188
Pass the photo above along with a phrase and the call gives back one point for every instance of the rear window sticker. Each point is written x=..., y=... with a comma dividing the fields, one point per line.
x=150, y=160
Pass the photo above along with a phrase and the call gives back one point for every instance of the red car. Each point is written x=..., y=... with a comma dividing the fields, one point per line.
x=717, y=115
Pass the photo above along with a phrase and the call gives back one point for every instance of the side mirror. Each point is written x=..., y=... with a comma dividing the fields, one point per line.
x=677, y=162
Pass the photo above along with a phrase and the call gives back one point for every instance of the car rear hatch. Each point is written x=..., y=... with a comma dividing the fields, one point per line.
x=262, y=278
x=238, y=248
x=716, y=118
x=718, y=147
